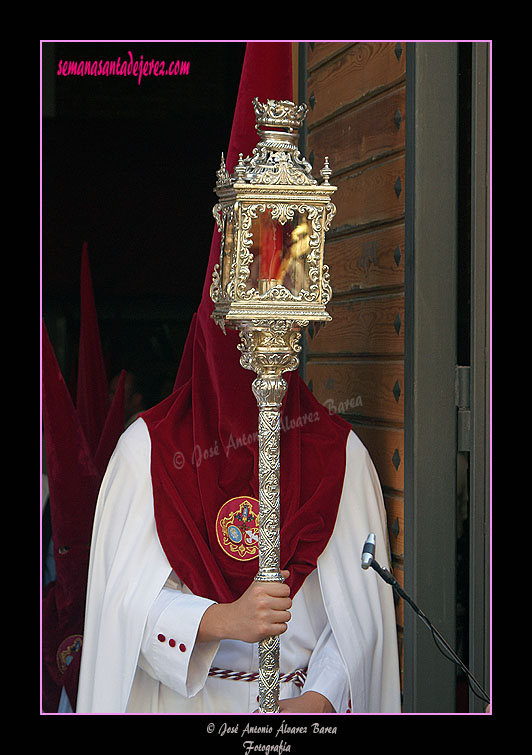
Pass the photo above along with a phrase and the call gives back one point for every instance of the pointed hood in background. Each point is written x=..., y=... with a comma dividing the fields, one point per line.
x=78, y=444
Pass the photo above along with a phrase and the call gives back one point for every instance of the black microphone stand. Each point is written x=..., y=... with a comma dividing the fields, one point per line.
x=390, y=579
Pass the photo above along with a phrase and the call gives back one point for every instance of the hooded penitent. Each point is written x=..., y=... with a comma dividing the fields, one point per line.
x=204, y=458
x=78, y=441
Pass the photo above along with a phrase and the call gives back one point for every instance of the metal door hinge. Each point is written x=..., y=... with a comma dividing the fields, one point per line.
x=462, y=400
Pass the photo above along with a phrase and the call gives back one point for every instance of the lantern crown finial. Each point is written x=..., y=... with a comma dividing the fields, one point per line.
x=279, y=114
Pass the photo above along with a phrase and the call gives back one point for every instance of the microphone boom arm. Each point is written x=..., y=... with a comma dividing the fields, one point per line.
x=369, y=548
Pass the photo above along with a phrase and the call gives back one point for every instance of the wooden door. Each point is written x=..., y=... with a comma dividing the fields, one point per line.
x=355, y=364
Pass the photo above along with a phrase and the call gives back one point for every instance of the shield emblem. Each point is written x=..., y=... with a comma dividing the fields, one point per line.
x=237, y=528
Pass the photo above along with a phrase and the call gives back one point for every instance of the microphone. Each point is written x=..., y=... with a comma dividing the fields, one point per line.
x=368, y=559
x=368, y=553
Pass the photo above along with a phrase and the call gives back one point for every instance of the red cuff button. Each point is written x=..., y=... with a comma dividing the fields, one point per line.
x=171, y=643
x=161, y=637
x=182, y=648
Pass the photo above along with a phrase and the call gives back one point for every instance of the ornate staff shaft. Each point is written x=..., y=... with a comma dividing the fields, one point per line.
x=269, y=283
x=269, y=352
x=269, y=393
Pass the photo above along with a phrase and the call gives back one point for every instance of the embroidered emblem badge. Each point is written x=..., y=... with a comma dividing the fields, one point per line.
x=66, y=651
x=237, y=528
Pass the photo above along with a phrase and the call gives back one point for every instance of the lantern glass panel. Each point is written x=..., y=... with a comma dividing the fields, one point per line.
x=280, y=252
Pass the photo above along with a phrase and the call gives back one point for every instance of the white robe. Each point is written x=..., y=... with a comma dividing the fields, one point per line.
x=139, y=650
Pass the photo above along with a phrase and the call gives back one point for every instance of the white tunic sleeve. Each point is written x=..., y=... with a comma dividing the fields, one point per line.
x=326, y=672
x=127, y=571
x=169, y=652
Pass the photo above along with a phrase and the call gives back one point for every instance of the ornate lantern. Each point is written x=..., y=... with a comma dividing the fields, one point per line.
x=270, y=283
